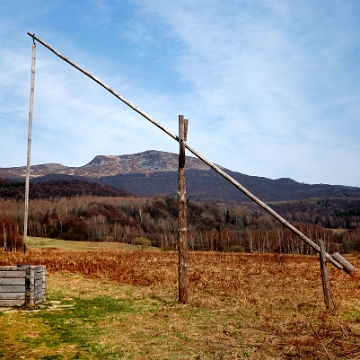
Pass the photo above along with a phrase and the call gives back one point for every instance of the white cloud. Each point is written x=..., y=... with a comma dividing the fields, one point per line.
x=270, y=84
x=270, y=88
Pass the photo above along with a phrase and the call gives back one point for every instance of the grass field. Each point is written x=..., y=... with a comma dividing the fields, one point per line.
x=107, y=301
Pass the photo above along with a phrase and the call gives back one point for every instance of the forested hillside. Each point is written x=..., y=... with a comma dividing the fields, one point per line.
x=211, y=226
x=151, y=173
x=57, y=188
x=207, y=185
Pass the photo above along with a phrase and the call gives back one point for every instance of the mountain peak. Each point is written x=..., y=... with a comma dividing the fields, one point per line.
x=144, y=162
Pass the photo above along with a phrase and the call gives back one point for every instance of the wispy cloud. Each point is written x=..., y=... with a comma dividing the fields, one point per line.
x=271, y=80
x=271, y=88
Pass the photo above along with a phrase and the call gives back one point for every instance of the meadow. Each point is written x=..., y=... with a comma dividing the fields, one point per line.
x=117, y=301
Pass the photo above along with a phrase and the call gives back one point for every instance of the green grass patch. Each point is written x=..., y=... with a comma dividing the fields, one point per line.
x=116, y=322
x=89, y=319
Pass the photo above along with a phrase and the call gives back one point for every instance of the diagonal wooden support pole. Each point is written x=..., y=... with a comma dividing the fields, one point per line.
x=201, y=157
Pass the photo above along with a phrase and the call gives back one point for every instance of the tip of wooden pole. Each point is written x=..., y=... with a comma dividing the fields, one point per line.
x=347, y=266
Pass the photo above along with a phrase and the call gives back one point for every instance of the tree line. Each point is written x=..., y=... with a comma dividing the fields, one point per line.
x=211, y=226
x=57, y=188
x=334, y=213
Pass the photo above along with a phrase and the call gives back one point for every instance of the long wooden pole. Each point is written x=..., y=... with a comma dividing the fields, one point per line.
x=31, y=107
x=182, y=243
x=192, y=150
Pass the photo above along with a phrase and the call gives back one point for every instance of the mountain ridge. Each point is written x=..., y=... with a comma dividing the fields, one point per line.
x=154, y=172
x=107, y=165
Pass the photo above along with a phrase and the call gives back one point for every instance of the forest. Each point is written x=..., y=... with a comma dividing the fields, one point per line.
x=77, y=210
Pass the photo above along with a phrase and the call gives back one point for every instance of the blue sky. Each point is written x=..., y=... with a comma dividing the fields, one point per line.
x=270, y=88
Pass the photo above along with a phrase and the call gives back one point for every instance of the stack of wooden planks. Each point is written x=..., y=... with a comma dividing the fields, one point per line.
x=22, y=285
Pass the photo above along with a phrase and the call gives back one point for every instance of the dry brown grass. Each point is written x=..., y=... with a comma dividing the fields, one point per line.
x=270, y=306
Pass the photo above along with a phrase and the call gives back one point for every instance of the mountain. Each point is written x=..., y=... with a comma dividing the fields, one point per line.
x=153, y=172
x=110, y=165
x=209, y=185
x=146, y=162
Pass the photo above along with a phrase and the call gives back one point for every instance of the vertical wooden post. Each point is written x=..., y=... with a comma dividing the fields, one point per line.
x=31, y=106
x=4, y=236
x=182, y=243
x=325, y=275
